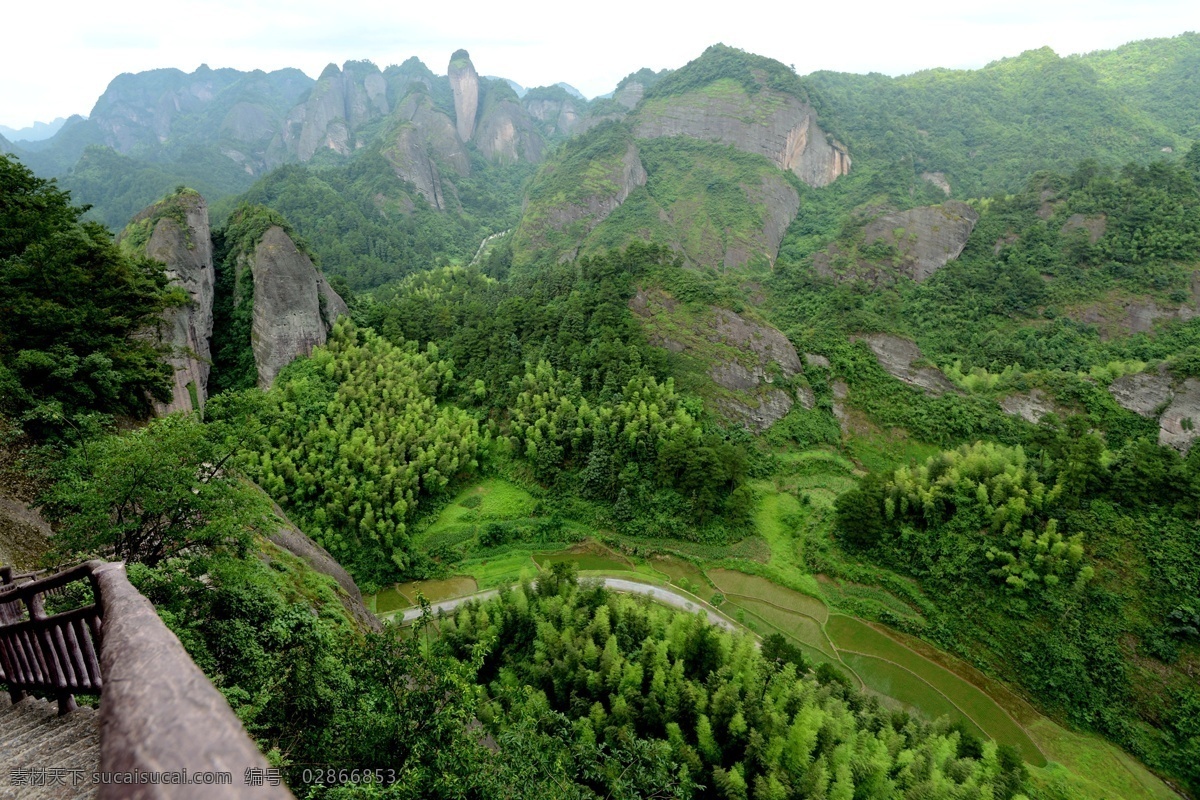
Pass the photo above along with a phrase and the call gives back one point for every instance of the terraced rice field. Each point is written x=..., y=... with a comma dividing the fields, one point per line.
x=588, y=556
x=855, y=639
x=490, y=500
x=404, y=595
x=732, y=582
x=880, y=662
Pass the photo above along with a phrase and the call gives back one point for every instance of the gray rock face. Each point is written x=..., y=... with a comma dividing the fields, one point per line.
x=773, y=405
x=186, y=252
x=938, y=179
x=630, y=94
x=1094, y=225
x=292, y=539
x=506, y=134
x=769, y=350
x=771, y=124
x=927, y=237
x=294, y=307
x=806, y=398
x=897, y=356
x=769, y=344
x=840, y=393
x=1143, y=393
x=1180, y=423
x=816, y=360
x=341, y=102
x=559, y=117
x=1030, y=407
x=1130, y=315
x=623, y=176
x=424, y=137
x=781, y=202
x=464, y=83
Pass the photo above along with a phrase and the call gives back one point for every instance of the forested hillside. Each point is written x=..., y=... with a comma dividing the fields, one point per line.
x=896, y=378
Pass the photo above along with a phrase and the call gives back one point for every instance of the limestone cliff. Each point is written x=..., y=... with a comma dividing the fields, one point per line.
x=506, y=133
x=464, y=83
x=749, y=363
x=902, y=359
x=925, y=238
x=769, y=123
x=919, y=242
x=1177, y=426
x=294, y=306
x=630, y=94
x=558, y=113
x=562, y=211
x=175, y=232
x=339, y=104
x=422, y=143
x=1175, y=403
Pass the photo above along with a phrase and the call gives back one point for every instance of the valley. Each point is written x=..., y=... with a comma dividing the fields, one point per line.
x=750, y=434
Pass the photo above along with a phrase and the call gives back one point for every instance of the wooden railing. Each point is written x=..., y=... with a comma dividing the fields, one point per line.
x=56, y=653
x=158, y=712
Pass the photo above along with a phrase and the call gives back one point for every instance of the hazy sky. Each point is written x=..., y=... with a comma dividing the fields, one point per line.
x=58, y=57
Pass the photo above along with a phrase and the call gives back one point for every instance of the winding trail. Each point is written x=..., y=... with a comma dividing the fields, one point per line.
x=658, y=594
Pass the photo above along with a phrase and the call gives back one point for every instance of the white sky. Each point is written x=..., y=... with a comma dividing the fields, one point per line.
x=58, y=57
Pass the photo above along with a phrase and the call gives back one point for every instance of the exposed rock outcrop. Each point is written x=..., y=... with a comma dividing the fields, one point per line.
x=769, y=344
x=423, y=138
x=899, y=357
x=294, y=306
x=742, y=357
x=464, y=83
x=816, y=360
x=1179, y=424
x=576, y=218
x=781, y=202
x=506, y=133
x=559, y=117
x=937, y=179
x=769, y=123
x=341, y=102
x=1118, y=315
x=293, y=540
x=1030, y=406
x=1095, y=225
x=1175, y=403
x=630, y=94
x=180, y=239
x=925, y=238
x=1143, y=393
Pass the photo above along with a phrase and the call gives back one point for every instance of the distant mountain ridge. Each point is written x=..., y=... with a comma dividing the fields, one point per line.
x=935, y=133
x=33, y=133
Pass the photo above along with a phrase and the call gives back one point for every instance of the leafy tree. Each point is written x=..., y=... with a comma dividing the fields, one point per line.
x=71, y=303
x=154, y=493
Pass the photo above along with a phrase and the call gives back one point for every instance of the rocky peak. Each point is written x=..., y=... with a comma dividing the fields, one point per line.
x=175, y=232
x=141, y=108
x=341, y=102
x=464, y=83
x=555, y=109
x=294, y=306
x=506, y=133
x=424, y=138
x=749, y=102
